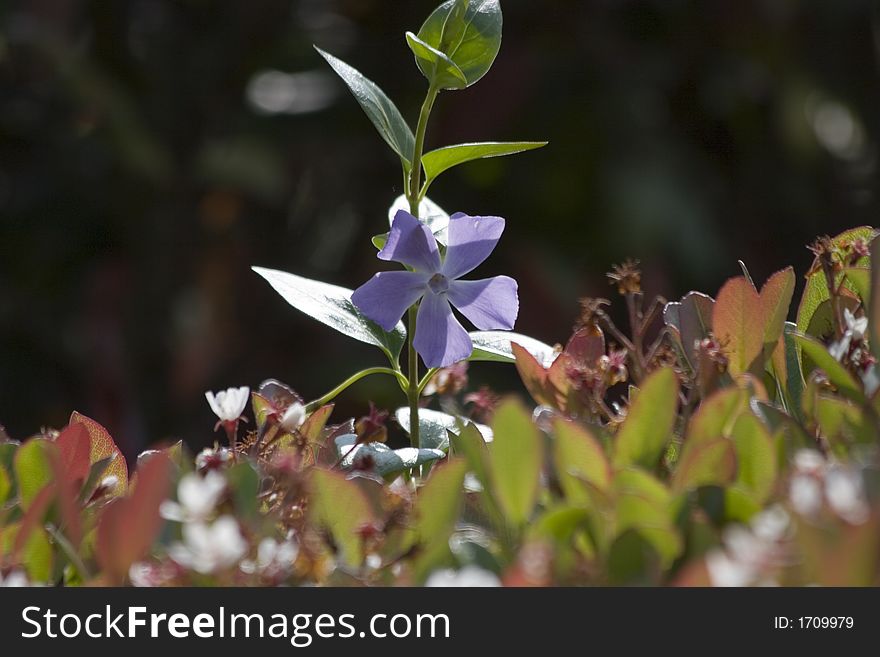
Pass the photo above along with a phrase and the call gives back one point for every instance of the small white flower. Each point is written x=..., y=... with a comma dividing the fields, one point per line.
x=725, y=571
x=805, y=493
x=197, y=497
x=855, y=327
x=209, y=548
x=229, y=404
x=469, y=576
x=293, y=417
x=871, y=380
x=210, y=458
x=844, y=490
x=15, y=579
x=808, y=461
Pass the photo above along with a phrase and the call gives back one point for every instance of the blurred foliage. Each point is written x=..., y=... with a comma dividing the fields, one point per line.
x=152, y=150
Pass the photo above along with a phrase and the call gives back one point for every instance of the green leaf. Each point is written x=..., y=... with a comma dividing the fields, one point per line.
x=331, y=305
x=786, y=365
x=440, y=71
x=703, y=463
x=387, y=461
x=468, y=33
x=342, y=508
x=37, y=556
x=579, y=457
x=5, y=485
x=515, y=461
x=837, y=374
x=495, y=346
x=33, y=469
x=649, y=421
x=439, y=502
x=715, y=416
x=470, y=444
x=244, y=482
x=437, y=161
x=860, y=280
x=378, y=107
x=756, y=457
x=434, y=425
x=816, y=288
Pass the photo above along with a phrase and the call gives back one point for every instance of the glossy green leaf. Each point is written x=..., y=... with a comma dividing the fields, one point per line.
x=786, y=367
x=495, y=346
x=437, y=161
x=649, y=421
x=440, y=71
x=378, y=107
x=342, y=508
x=756, y=457
x=515, y=461
x=33, y=469
x=434, y=425
x=386, y=461
x=837, y=374
x=579, y=457
x=468, y=33
x=331, y=305
x=708, y=462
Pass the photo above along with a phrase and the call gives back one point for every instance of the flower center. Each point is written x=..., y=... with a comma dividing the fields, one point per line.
x=438, y=284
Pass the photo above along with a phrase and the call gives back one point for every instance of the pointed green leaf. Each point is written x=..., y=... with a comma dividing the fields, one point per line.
x=342, y=508
x=649, y=421
x=515, y=461
x=495, y=346
x=387, y=461
x=837, y=374
x=439, y=502
x=468, y=33
x=755, y=455
x=437, y=161
x=378, y=107
x=440, y=71
x=579, y=457
x=331, y=305
x=434, y=425
x=708, y=462
x=33, y=469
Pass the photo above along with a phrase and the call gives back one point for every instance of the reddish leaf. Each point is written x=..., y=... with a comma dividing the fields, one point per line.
x=533, y=375
x=586, y=346
x=129, y=525
x=74, y=454
x=101, y=447
x=736, y=323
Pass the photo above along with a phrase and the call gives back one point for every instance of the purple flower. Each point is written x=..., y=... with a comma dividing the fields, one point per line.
x=489, y=303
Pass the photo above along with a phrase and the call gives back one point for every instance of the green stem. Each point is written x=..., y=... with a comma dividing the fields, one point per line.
x=354, y=378
x=414, y=198
x=427, y=378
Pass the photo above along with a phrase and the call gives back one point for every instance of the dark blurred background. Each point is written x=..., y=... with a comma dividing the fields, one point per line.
x=151, y=151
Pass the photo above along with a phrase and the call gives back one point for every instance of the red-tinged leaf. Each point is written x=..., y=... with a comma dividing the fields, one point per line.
x=586, y=346
x=74, y=454
x=129, y=525
x=874, y=301
x=695, y=574
x=314, y=425
x=736, y=323
x=775, y=301
x=101, y=447
x=533, y=375
x=691, y=321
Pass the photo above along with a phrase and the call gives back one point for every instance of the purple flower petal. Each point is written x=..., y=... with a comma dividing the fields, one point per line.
x=385, y=297
x=440, y=339
x=471, y=240
x=411, y=243
x=489, y=303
